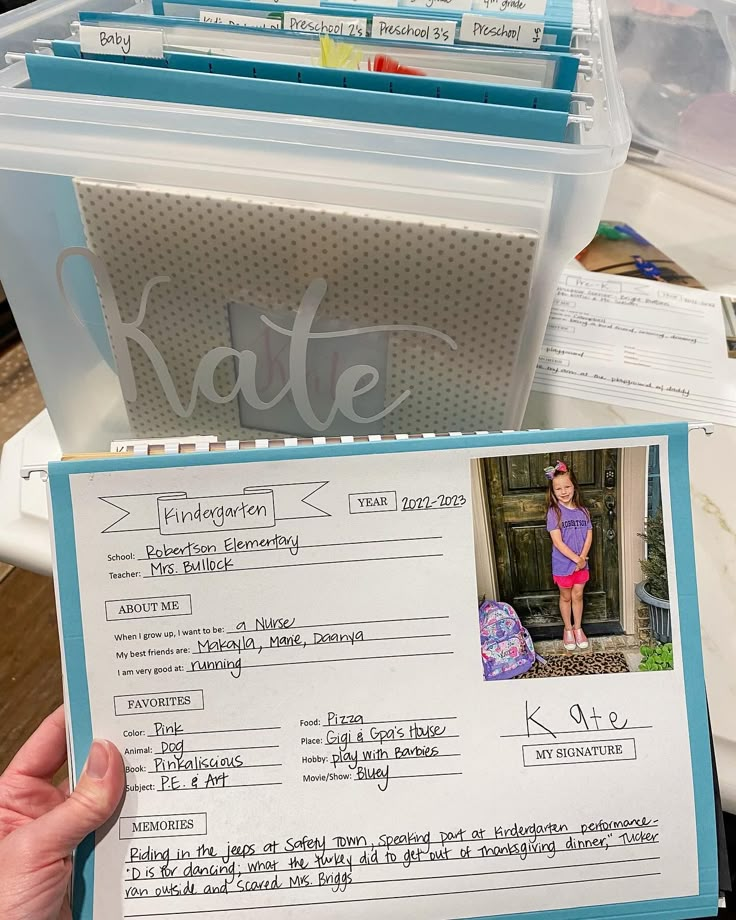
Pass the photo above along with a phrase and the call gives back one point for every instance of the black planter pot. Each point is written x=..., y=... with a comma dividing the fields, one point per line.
x=660, y=621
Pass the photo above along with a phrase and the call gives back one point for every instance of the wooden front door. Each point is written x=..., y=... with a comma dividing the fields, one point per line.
x=523, y=550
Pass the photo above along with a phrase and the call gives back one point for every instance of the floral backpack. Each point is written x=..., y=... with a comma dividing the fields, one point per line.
x=506, y=646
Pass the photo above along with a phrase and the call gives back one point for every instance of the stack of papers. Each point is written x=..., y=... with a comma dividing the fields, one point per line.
x=652, y=346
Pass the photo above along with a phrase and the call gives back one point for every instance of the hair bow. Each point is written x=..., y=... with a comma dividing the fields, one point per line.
x=551, y=471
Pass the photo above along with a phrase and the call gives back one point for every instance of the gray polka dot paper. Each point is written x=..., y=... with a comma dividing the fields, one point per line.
x=246, y=317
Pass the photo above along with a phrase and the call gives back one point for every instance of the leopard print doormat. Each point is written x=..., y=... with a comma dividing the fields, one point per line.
x=574, y=665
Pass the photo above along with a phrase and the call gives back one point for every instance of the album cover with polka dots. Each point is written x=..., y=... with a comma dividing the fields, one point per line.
x=247, y=317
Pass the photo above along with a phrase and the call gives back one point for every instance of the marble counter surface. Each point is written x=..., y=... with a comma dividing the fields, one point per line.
x=713, y=490
x=698, y=230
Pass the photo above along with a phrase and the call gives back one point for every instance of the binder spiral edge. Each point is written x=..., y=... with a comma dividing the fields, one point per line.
x=151, y=448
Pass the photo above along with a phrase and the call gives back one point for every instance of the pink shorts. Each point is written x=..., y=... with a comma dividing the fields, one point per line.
x=577, y=578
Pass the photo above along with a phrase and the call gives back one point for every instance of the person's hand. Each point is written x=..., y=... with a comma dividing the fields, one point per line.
x=41, y=824
x=580, y=563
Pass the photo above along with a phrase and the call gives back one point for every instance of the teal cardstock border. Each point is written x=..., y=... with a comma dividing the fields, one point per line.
x=704, y=904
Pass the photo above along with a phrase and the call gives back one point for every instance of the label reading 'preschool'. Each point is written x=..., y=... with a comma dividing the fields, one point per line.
x=232, y=19
x=513, y=33
x=142, y=43
x=435, y=32
x=347, y=26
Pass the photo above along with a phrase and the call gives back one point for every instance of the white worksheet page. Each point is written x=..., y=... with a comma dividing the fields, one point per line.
x=287, y=654
x=634, y=342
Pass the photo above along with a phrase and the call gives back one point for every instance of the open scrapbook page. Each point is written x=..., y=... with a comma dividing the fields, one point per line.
x=442, y=677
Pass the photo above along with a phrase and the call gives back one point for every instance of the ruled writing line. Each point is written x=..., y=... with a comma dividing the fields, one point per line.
x=428, y=843
x=295, y=565
x=577, y=731
x=216, y=731
x=388, y=741
x=251, y=747
x=212, y=788
x=281, y=664
x=421, y=878
x=245, y=766
x=396, y=897
x=398, y=721
x=296, y=627
x=373, y=779
x=278, y=648
x=281, y=549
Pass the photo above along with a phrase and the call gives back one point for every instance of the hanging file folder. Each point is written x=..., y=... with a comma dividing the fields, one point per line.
x=558, y=70
x=549, y=100
x=166, y=84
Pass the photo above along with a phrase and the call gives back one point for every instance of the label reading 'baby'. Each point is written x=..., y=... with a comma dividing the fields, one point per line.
x=142, y=43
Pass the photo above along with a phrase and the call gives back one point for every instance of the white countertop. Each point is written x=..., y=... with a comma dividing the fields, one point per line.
x=696, y=229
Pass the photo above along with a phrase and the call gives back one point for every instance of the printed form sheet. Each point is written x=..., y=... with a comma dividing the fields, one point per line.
x=287, y=654
x=638, y=343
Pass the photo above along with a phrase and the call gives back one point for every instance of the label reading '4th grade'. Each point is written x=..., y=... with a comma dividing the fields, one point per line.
x=522, y=7
x=439, y=4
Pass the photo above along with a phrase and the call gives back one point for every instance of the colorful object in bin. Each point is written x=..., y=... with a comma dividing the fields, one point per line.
x=339, y=55
x=386, y=64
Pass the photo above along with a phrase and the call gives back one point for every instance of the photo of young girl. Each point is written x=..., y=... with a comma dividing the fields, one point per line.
x=569, y=525
x=571, y=561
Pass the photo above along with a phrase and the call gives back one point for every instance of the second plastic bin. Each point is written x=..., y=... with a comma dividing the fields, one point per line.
x=677, y=65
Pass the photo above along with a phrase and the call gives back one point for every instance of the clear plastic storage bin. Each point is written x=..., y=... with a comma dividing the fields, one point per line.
x=179, y=270
x=677, y=64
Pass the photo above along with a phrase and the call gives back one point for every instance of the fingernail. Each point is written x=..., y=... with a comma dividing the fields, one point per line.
x=98, y=760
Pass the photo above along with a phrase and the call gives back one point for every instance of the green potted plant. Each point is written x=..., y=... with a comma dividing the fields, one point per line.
x=656, y=658
x=653, y=589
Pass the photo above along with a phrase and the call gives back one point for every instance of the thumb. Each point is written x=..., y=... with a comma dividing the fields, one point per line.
x=100, y=788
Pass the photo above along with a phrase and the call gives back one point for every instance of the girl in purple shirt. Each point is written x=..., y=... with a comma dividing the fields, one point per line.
x=568, y=523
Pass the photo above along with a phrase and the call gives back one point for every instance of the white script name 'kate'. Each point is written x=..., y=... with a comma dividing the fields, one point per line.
x=352, y=383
